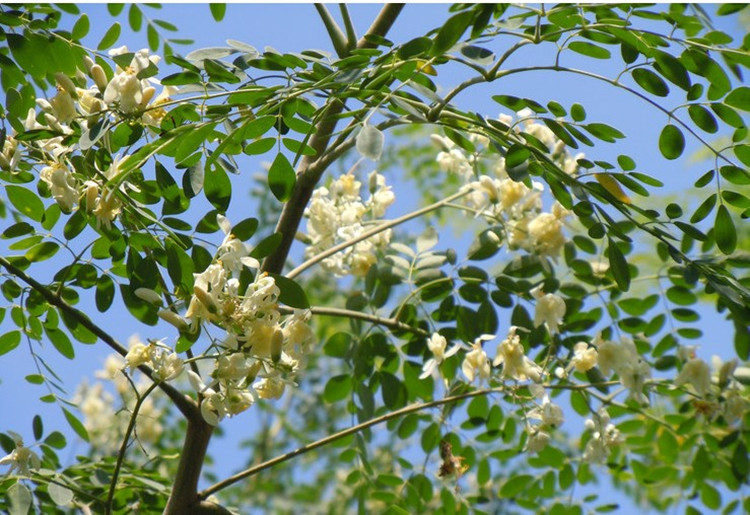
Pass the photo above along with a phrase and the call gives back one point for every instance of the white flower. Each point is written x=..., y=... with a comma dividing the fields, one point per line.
x=550, y=309
x=584, y=357
x=624, y=359
x=61, y=184
x=538, y=440
x=138, y=354
x=476, y=363
x=545, y=233
x=510, y=353
x=437, y=344
x=606, y=436
x=21, y=459
x=550, y=414
x=269, y=388
x=697, y=373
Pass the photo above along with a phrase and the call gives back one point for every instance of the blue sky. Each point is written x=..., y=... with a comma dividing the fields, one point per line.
x=295, y=27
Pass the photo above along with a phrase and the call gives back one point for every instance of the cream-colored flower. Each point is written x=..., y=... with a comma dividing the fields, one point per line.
x=584, y=357
x=437, y=345
x=61, y=184
x=550, y=309
x=516, y=365
x=21, y=459
x=697, y=373
x=476, y=363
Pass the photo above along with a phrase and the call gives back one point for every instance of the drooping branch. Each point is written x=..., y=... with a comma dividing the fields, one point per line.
x=309, y=171
x=413, y=408
x=186, y=405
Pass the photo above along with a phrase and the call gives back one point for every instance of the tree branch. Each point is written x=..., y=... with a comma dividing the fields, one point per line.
x=309, y=171
x=185, y=404
x=334, y=31
x=351, y=35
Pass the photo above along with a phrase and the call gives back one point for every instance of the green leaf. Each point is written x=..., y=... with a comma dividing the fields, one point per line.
x=9, y=341
x=182, y=78
x=153, y=37
x=76, y=425
x=105, y=292
x=651, y=82
x=218, y=11
x=281, y=178
x=703, y=118
x=393, y=390
x=218, y=73
x=671, y=142
x=451, y=31
x=60, y=341
x=218, y=189
x=590, y=50
x=26, y=202
x=60, y=495
x=604, y=132
x=42, y=251
x=337, y=388
x=135, y=17
x=724, y=231
x=115, y=9
x=81, y=27
x=704, y=209
x=55, y=440
x=414, y=47
x=735, y=174
x=515, y=485
x=291, y=293
x=245, y=229
x=739, y=98
x=672, y=69
x=267, y=245
x=110, y=37
x=618, y=266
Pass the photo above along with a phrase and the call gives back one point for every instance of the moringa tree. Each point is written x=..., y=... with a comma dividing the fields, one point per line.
x=382, y=363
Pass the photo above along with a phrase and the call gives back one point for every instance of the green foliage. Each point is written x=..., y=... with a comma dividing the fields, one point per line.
x=392, y=418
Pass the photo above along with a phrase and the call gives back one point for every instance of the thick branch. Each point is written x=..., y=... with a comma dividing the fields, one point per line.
x=184, y=498
x=309, y=171
x=334, y=32
x=186, y=405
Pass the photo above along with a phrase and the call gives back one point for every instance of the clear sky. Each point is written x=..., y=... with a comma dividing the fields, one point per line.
x=295, y=27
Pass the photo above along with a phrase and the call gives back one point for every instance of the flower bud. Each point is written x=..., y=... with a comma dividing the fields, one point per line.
x=100, y=78
x=148, y=295
x=173, y=318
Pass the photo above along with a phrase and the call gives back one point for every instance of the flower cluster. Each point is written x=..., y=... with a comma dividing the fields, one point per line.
x=338, y=214
x=548, y=414
x=78, y=106
x=514, y=204
x=624, y=359
x=605, y=437
x=259, y=350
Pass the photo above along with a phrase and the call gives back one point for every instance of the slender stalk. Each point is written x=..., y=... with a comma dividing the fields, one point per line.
x=391, y=323
x=186, y=405
x=379, y=228
x=124, y=446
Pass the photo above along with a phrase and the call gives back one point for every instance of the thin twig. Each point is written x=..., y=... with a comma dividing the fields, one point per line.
x=124, y=447
x=374, y=319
